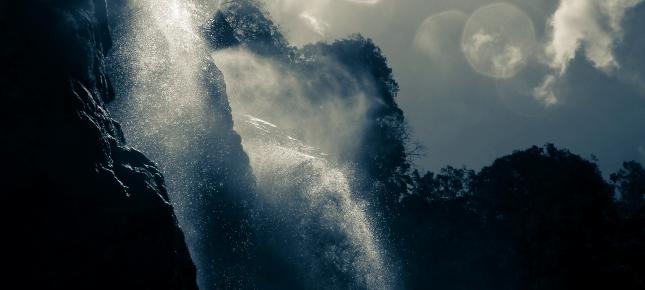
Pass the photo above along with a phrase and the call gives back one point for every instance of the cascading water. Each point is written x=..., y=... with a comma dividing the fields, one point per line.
x=311, y=210
x=162, y=104
x=173, y=104
x=301, y=216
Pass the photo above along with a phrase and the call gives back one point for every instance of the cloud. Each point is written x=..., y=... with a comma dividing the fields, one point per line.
x=310, y=21
x=497, y=40
x=479, y=39
x=502, y=63
x=641, y=151
x=317, y=25
x=371, y=2
x=508, y=60
x=591, y=27
x=545, y=92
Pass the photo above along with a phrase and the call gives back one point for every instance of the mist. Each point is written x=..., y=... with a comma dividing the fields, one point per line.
x=330, y=116
x=269, y=193
x=298, y=126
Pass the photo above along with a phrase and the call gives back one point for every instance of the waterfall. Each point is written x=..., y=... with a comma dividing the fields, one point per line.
x=311, y=210
x=173, y=106
x=300, y=215
x=161, y=102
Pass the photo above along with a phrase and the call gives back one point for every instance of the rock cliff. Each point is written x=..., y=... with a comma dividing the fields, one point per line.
x=84, y=210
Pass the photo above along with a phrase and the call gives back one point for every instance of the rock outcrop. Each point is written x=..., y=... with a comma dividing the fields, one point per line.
x=83, y=210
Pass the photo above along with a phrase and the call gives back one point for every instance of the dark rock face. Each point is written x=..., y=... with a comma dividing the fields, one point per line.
x=84, y=211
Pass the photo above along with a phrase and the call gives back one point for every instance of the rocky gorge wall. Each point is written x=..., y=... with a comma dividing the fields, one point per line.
x=83, y=210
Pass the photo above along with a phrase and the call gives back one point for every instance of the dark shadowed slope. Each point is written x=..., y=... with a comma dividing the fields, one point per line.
x=84, y=211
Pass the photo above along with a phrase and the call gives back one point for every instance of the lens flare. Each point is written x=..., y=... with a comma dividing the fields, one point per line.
x=498, y=40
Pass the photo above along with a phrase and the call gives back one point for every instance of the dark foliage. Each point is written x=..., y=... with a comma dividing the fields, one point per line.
x=629, y=230
x=246, y=23
x=551, y=209
x=541, y=218
x=630, y=183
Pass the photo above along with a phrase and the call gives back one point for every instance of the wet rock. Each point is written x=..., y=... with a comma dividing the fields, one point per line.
x=83, y=210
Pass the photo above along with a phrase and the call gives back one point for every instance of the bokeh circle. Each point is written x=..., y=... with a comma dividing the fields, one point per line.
x=498, y=40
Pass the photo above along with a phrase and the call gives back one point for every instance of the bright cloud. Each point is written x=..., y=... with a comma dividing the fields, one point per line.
x=364, y=1
x=591, y=27
x=317, y=25
x=508, y=60
x=545, y=92
x=478, y=40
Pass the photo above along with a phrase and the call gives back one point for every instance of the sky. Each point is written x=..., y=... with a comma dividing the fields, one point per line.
x=482, y=78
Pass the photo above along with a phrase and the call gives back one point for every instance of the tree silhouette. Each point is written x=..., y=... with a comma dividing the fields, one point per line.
x=630, y=183
x=247, y=23
x=551, y=207
x=541, y=218
x=629, y=231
